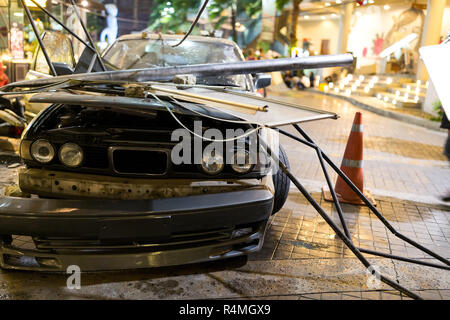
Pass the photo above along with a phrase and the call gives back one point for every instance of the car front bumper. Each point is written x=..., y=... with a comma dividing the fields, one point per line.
x=127, y=234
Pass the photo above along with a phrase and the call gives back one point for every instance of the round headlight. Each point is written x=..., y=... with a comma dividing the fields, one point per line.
x=212, y=163
x=241, y=162
x=71, y=155
x=42, y=151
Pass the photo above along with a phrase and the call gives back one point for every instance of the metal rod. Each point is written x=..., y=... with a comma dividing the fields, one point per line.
x=211, y=99
x=372, y=207
x=63, y=25
x=88, y=35
x=41, y=44
x=201, y=70
x=325, y=172
x=387, y=255
x=333, y=194
x=331, y=223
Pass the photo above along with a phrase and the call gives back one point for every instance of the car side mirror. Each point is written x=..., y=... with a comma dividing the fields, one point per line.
x=62, y=69
x=263, y=80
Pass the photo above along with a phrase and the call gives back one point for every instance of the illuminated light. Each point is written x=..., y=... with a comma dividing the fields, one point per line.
x=389, y=80
x=394, y=101
x=348, y=92
x=386, y=7
x=358, y=13
x=386, y=99
x=346, y=81
x=325, y=88
x=327, y=4
x=350, y=77
x=306, y=17
x=361, y=78
x=371, y=1
x=42, y=3
x=341, y=86
x=408, y=87
x=331, y=85
x=338, y=1
x=322, y=17
x=6, y=57
x=379, y=96
x=336, y=89
x=427, y=84
x=371, y=84
x=354, y=87
x=375, y=79
x=334, y=15
x=418, y=82
x=406, y=96
x=18, y=14
x=357, y=83
x=366, y=89
x=397, y=93
x=84, y=3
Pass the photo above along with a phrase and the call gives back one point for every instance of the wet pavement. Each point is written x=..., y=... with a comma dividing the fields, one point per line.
x=302, y=258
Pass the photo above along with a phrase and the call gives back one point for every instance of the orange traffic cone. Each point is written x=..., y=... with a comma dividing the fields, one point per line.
x=352, y=167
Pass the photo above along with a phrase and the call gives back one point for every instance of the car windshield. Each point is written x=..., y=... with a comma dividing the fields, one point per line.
x=148, y=53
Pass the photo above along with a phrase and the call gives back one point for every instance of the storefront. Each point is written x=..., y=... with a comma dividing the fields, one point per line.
x=18, y=41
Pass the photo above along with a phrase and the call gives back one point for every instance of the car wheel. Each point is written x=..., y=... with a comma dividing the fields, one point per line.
x=281, y=183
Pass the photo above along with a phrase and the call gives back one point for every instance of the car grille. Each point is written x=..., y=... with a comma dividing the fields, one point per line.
x=178, y=241
x=140, y=161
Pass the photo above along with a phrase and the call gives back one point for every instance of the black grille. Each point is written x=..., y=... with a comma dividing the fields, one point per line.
x=140, y=161
x=181, y=240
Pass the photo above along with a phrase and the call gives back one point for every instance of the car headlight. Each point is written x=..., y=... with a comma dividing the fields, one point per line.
x=71, y=155
x=42, y=151
x=240, y=162
x=212, y=163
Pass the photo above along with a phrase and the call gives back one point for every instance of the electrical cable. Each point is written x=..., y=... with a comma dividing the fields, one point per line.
x=194, y=23
x=194, y=133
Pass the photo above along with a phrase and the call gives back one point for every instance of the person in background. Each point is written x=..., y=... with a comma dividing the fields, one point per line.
x=312, y=79
x=260, y=54
x=445, y=124
x=251, y=54
x=4, y=80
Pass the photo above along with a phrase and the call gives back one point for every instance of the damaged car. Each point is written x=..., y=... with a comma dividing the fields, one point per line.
x=105, y=192
x=149, y=155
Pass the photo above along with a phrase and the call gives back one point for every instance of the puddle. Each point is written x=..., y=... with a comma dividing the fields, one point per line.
x=305, y=244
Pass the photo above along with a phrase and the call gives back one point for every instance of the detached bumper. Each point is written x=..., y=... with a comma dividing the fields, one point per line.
x=123, y=234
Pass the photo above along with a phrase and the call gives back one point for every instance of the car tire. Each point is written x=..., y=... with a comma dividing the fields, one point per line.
x=281, y=183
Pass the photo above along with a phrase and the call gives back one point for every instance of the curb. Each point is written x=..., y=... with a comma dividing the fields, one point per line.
x=428, y=124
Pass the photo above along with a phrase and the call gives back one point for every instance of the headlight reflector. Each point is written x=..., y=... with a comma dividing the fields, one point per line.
x=212, y=163
x=71, y=155
x=241, y=162
x=42, y=151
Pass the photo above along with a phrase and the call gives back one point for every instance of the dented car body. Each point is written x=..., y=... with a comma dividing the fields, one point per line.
x=104, y=191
